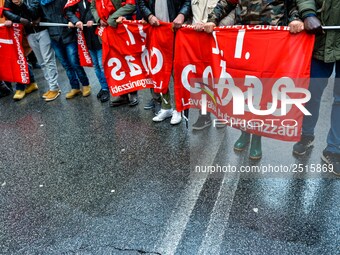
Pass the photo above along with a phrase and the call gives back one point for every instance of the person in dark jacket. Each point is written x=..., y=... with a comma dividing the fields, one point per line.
x=11, y=13
x=326, y=59
x=92, y=42
x=28, y=12
x=64, y=43
x=175, y=11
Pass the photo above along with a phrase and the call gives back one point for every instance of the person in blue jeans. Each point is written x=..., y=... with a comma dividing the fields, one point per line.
x=92, y=41
x=64, y=43
x=326, y=58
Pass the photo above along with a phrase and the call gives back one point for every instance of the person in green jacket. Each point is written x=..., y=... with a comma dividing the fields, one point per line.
x=326, y=57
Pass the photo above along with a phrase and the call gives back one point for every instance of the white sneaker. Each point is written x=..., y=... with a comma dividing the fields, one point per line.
x=176, y=118
x=162, y=115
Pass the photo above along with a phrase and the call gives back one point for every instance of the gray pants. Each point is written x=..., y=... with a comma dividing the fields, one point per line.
x=41, y=45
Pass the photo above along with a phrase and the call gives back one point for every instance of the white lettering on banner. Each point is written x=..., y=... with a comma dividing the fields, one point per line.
x=21, y=58
x=128, y=86
x=134, y=68
x=115, y=69
x=83, y=47
x=247, y=101
x=6, y=41
x=279, y=128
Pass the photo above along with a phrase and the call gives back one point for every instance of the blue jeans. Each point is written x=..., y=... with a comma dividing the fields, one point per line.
x=20, y=86
x=320, y=72
x=96, y=56
x=69, y=58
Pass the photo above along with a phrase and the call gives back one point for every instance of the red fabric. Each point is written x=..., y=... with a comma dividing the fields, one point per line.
x=71, y=3
x=84, y=54
x=104, y=8
x=233, y=1
x=13, y=64
x=3, y=9
x=137, y=56
x=266, y=53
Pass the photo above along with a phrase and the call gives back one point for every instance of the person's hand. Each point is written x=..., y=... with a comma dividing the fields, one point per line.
x=120, y=19
x=153, y=21
x=8, y=23
x=17, y=2
x=313, y=25
x=90, y=23
x=80, y=25
x=178, y=21
x=199, y=27
x=209, y=27
x=296, y=26
x=70, y=24
x=25, y=22
x=103, y=23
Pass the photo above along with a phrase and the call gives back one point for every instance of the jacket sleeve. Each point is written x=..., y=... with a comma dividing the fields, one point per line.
x=122, y=11
x=10, y=15
x=70, y=14
x=306, y=8
x=144, y=9
x=221, y=10
x=186, y=9
x=94, y=11
x=293, y=13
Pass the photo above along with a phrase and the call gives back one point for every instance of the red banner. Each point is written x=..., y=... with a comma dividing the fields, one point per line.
x=254, y=78
x=83, y=51
x=13, y=64
x=137, y=56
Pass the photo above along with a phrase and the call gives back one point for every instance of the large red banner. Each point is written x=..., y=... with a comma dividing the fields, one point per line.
x=13, y=64
x=254, y=78
x=137, y=56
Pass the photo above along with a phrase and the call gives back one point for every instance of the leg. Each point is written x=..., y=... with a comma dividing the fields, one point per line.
x=61, y=54
x=48, y=63
x=320, y=72
x=73, y=58
x=333, y=139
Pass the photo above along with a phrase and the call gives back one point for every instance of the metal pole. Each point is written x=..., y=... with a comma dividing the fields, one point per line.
x=48, y=24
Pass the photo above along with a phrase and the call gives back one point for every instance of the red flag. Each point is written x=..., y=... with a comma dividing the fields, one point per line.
x=71, y=3
x=251, y=77
x=133, y=59
x=83, y=51
x=13, y=64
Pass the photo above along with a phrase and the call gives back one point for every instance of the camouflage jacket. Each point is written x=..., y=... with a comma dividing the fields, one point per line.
x=256, y=12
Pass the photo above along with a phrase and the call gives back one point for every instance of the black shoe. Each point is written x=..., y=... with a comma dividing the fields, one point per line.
x=100, y=93
x=202, y=122
x=133, y=99
x=305, y=142
x=4, y=90
x=121, y=100
x=105, y=96
x=150, y=105
x=333, y=161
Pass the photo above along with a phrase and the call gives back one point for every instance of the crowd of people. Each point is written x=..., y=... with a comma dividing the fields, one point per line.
x=60, y=42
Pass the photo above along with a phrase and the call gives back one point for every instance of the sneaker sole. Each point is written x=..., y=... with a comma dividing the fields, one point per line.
x=51, y=99
x=162, y=119
x=303, y=153
x=202, y=127
x=255, y=158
